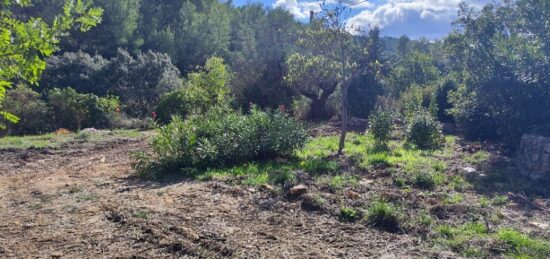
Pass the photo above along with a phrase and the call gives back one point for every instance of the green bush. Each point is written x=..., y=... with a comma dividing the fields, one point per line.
x=203, y=89
x=221, y=137
x=425, y=181
x=424, y=131
x=75, y=111
x=380, y=126
x=34, y=115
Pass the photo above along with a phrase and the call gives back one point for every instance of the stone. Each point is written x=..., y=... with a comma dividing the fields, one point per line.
x=298, y=190
x=469, y=170
x=533, y=156
x=267, y=187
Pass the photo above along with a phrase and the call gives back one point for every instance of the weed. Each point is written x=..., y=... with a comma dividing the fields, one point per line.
x=348, y=214
x=458, y=183
x=477, y=158
x=522, y=246
x=383, y=215
x=484, y=202
x=454, y=199
x=400, y=182
x=340, y=182
x=425, y=181
x=140, y=214
x=319, y=166
x=500, y=200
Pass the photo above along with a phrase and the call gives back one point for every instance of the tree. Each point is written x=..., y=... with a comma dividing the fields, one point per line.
x=24, y=44
x=330, y=51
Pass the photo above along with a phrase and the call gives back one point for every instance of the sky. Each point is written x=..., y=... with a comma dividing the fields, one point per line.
x=415, y=18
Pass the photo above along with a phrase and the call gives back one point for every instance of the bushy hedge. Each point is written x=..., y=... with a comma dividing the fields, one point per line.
x=33, y=112
x=222, y=137
x=75, y=111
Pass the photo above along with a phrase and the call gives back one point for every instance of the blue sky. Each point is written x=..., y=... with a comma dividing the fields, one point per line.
x=414, y=18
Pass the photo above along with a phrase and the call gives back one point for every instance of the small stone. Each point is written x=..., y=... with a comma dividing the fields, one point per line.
x=102, y=160
x=469, y=170
x=298, y=190
x=366, y=182
x=267, y=187
x=352, y=195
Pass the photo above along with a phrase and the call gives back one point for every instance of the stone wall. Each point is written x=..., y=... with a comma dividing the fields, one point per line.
x=535, y=156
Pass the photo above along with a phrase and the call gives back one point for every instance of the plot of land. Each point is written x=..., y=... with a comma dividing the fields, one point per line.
x=81, y=198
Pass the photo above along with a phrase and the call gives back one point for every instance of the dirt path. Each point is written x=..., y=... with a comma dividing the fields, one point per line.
x=83, y=202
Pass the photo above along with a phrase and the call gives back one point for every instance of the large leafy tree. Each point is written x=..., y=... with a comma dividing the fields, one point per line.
x=24, y=43
x=502, y=54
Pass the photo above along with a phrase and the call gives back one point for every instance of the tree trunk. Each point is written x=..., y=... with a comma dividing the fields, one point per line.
x=344, y=127
x=318, y=108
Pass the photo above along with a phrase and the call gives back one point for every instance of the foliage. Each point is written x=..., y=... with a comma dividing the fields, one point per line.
x=24, y=44
x=383, y=215
x=203, y=89
x=415, y=68
x=221, y=137
x=348, y=214
x=33, y=112
x=380, y=126
x=502, y=57
x=424, y=131
x=75, y=111
x=141, y=80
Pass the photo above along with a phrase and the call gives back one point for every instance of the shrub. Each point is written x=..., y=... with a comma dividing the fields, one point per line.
x=424, y=131
x=380, y=126
x=203, y=89
x=34, y=115
x=425, y=181
x=348, y=214
x=383, y=215
x=221, y=137
x=75, y=111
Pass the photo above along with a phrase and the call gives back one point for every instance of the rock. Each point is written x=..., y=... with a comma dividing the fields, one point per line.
x=267, y=187
x=298, y=190
x=534, y=156
x=469, y=170
x=352, y=195
x=366, y=182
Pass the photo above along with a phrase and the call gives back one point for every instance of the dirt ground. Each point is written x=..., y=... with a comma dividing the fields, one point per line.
x=82, y=201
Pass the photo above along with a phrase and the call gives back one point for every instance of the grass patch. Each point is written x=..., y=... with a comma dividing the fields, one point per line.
x=519, y=245
x=477, y=158
x=52, y=140
x=348, y=214
x=383, y=215
x=340, y=182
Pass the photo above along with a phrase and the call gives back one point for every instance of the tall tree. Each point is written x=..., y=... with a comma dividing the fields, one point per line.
x=24, y=44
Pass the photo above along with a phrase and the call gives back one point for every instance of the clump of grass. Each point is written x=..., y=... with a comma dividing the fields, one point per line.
x=348, y=214
x=500, y=200
x=140, y=214
x=454, y=199
x=425, y=181
x=86, y=197
x=319, y=166
x=377, y=159
x=467, y=239
x=340, y=182
x=400, y=182
x=458, y=183
x=477, y=158
x=484, y=202
x=384, y=215
x=522, y=246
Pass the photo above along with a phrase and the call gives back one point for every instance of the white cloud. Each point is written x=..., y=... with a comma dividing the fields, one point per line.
x=430, y=18
x=300, y=10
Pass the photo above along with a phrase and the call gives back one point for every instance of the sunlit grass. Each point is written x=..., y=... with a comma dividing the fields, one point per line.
x=52, y=140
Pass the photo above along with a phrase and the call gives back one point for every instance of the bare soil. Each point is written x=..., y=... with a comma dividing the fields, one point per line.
x=83, y=201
